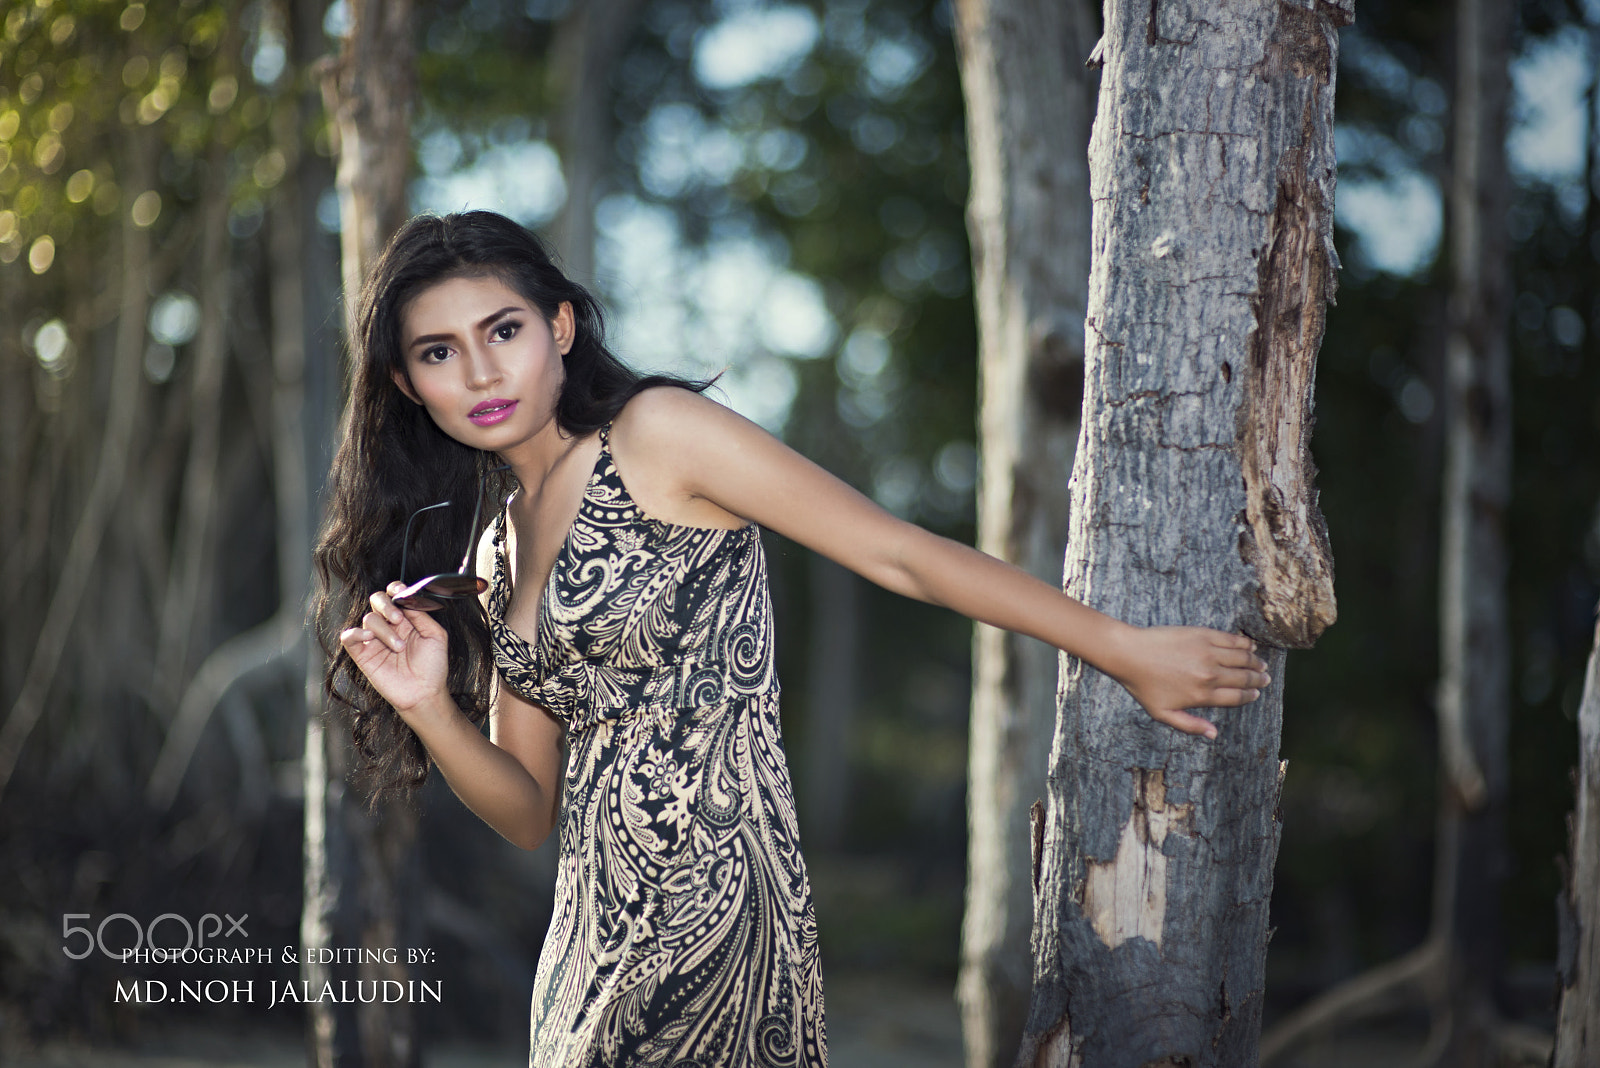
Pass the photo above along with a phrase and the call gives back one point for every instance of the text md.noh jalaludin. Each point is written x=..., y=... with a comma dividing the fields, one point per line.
x=282, y=992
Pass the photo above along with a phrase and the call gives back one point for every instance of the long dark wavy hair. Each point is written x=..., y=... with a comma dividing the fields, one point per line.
x=393, y=459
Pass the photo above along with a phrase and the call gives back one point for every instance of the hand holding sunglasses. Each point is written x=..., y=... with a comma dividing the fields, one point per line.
x=425, y=594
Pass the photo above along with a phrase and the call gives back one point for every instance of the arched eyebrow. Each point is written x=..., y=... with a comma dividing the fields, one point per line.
x=482, y=324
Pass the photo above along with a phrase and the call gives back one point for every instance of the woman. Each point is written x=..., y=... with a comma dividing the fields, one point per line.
x=628, y=620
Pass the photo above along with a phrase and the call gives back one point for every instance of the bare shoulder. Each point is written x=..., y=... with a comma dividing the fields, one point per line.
x=669, y=444
x=674, y=417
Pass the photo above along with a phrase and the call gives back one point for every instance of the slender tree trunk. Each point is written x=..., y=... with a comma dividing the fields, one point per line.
x=1578, y=1015
x=1474, y=653
x=369, y=97
x=1577, y=1039
x=110, y=471
x=186, y=607
x=361, y=870
x=1211, y=171
x=1028, y=96
x=1454, y=971
x=588, y=44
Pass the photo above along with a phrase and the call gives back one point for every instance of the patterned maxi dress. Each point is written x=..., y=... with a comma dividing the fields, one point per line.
x=683, y=934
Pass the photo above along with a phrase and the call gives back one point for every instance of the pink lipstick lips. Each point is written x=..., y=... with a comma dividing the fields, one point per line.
x=491, y=412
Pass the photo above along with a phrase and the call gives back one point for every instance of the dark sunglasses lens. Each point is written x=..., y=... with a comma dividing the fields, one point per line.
x=457, y=586
x=418, y=603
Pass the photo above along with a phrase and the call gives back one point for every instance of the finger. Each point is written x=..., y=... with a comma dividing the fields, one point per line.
x=1242, y=679
x=1187, y=723
x=360, y=643
x=384, y=605
x=1232, y=698
x=422, y=624
x=1244, y=658
x=1228, y=640
x=382, y=630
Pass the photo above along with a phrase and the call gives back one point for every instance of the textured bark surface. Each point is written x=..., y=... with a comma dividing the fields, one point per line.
x=1028, y=97
x=1211, y=169
x=1578, y=1016
x=361, y=870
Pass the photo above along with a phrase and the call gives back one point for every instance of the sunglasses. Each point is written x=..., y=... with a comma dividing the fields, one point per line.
x=425, y=594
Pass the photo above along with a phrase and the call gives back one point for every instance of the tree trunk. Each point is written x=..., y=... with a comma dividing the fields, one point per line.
x=1578, y=1015
x=1474, y=653
x=1211, y=171
x=369, y=97
x=588, y=43
x=1028, y=111
x=186, y=607
x=1454, y=971
x=361, y=871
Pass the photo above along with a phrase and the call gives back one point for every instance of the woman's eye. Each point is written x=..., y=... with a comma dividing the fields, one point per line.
x=507, y=330
x=435, y=354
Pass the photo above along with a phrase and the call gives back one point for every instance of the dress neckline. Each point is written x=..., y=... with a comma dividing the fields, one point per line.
x=502, y=558
x=501, y=592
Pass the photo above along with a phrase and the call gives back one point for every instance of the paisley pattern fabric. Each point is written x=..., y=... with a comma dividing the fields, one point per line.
x=683, y=933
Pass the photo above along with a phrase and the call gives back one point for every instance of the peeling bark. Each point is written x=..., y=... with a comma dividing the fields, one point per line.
x=1028, y=112
x=1126, y=897
x=1211, y=168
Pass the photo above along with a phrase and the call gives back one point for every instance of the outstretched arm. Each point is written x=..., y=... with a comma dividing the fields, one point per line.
x=706, y=451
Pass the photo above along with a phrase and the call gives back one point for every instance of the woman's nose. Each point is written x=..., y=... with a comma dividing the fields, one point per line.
x=482, y=370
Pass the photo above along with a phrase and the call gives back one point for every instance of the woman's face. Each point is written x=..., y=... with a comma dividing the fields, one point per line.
x=483, y=360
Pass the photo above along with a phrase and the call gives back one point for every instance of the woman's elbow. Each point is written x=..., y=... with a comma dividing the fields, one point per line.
x=526, y=837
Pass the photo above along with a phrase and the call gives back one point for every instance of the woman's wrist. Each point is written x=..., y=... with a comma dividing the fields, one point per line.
x=1113, y=650
x=432, y=711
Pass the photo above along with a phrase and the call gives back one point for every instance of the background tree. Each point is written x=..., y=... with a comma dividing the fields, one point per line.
x=362, y=879
x=1211, y=167
x=1455, y=970
x=1028, y=111
x=1578, y=966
